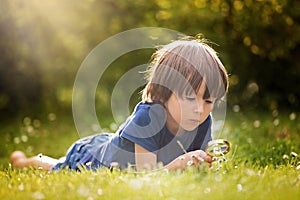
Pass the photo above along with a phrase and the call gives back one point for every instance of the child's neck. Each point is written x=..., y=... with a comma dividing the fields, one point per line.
x=174, y=127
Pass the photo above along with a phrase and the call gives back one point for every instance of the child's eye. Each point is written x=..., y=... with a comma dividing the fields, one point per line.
x=208, y=101
x=190, y=98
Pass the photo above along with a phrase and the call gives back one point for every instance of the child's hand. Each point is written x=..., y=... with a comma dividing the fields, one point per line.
x=196, y=158
x=199, y=157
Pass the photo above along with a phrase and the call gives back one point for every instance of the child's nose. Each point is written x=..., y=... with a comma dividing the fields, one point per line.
x=198, y=107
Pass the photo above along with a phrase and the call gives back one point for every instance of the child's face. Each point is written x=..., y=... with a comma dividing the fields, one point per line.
x=189, y=111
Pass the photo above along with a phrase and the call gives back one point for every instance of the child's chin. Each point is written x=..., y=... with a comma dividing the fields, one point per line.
x=190, y=128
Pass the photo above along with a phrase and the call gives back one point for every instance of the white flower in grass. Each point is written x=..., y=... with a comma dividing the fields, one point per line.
x=294, y=154
x=21, y=187
x=136, y=184
x=38, y=195
x=100, y=191
x=190, y=163
x=239, y=187
x=83, y=191
x=207, y=190
x=250, y=172
x=181, y=158
x=285, y=157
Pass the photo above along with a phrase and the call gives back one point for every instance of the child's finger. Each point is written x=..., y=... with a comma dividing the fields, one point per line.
x=204, y=156
x=208, y=159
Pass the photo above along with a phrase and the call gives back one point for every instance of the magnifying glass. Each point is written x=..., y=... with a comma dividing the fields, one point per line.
x=217, y=148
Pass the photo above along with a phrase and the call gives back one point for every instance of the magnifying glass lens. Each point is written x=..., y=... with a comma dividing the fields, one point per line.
x=217, y=148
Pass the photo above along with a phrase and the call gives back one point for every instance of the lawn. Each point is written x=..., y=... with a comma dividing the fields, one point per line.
x=263, y=164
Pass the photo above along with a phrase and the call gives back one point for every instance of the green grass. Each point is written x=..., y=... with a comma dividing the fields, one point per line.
x=234, y=182
x=263, y=164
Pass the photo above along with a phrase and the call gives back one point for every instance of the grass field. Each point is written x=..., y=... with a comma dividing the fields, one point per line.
x=263, y=164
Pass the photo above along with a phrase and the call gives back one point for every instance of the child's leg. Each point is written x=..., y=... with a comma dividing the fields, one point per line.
x=19, y=160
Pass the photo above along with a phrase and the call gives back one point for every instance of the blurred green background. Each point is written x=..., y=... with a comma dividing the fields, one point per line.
x=43, y=43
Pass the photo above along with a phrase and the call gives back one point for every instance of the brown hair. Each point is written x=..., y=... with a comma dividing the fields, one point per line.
x=180, y=67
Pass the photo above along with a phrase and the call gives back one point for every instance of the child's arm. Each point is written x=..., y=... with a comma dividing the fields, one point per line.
x=146, y=160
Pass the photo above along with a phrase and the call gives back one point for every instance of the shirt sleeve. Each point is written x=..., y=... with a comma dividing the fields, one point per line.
x=144, y=126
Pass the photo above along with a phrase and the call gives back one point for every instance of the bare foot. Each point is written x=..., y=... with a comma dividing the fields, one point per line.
x=18, y=159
